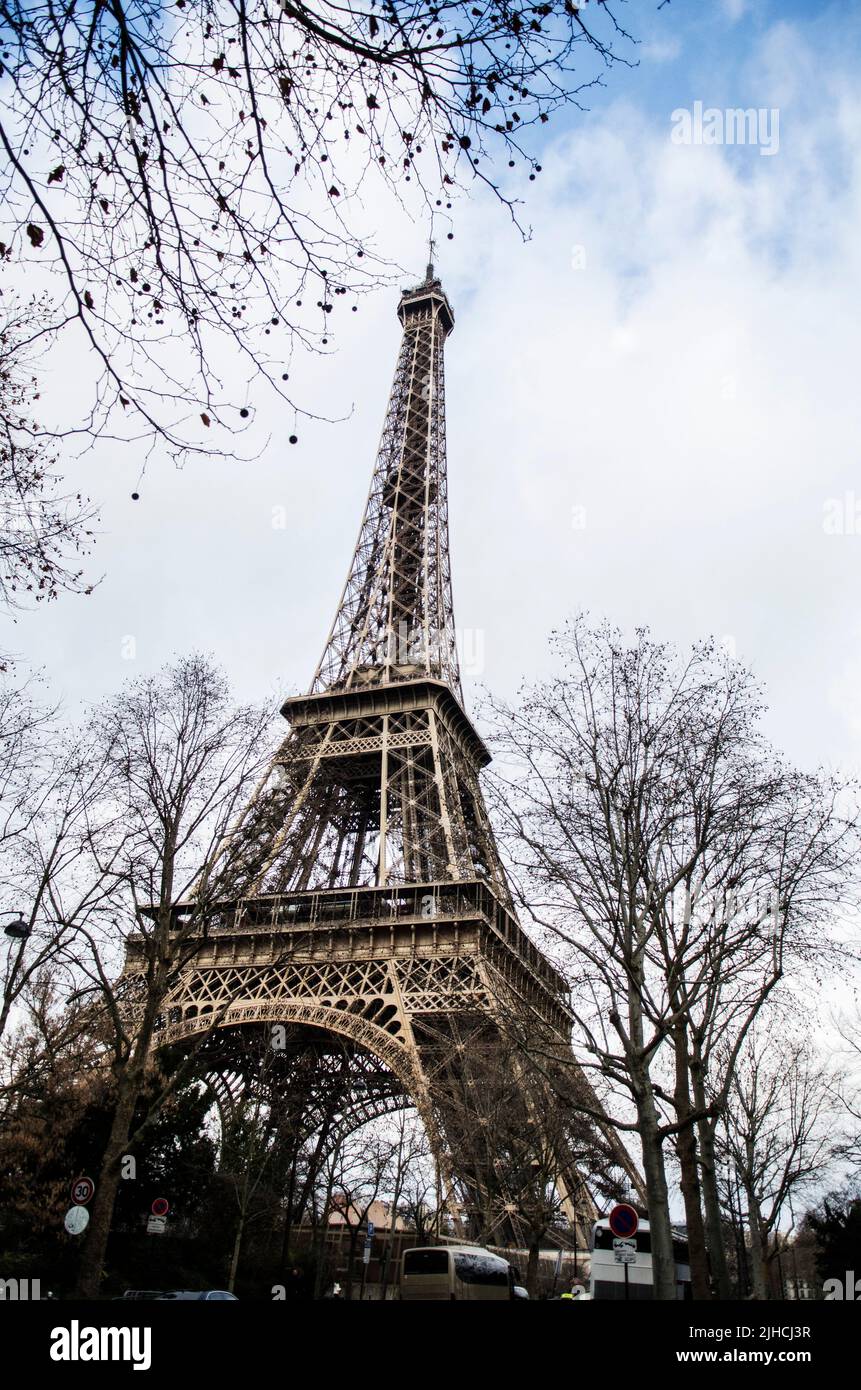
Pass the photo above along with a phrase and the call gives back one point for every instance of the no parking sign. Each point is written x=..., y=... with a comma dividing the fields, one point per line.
x=624, y=1221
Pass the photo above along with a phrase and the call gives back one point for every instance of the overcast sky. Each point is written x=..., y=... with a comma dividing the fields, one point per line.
x=652, y=408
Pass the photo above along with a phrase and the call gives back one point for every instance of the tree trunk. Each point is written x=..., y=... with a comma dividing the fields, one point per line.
x=288, y=1214
x=713, y=1213
x=351, y=1257
x=129, y=1086
x=686, y=1149
x=663, y=1263
x=532, y=1265
x=654, y=1170
x=389, y=1245
x=102, y=1210
x=318, y=1241
x=759, y=1283
x=711, y=1197
x=318, y=1245
x=237, y=1245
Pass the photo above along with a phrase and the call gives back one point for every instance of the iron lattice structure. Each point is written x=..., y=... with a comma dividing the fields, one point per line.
x=360, y=896
x=396, y=619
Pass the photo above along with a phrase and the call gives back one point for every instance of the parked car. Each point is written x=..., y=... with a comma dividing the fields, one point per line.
x=170, y=1295
x=205, y=1295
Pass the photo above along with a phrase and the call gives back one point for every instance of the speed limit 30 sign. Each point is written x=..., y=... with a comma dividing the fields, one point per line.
x=82, y=1191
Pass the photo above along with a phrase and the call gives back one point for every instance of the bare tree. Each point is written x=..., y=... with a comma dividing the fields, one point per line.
x=420, y=1199
x=308, y=1133
x=48, y=779
x=531, y=1154
x=196, y=172
x=848, y=1094
x=771, y=914
x=779, y=1134
x=638, y=788
x=24, y=723
x=52, y=1070
x=176, y=759
x=412, y=1161
x=364, y=1170
x=324, y=1174
x=248, y=1150
x=44, y=532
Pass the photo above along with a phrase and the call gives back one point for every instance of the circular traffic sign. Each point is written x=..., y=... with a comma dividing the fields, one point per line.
x=76, y=1220
x=624, y=1221
x=160, y=1207
x=82, y=1190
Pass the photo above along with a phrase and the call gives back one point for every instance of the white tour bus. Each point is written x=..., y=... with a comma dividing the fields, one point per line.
x=607, y=1278
x=455, y=1272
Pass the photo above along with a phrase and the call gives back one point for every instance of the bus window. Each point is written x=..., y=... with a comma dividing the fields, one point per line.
x=481, y=1269
x=426, y=1261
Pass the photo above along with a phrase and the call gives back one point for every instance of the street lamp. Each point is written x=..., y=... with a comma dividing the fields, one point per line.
x=18, y=929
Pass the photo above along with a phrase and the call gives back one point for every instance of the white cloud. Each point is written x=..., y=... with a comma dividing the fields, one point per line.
x=735, y=9
x=661, y=50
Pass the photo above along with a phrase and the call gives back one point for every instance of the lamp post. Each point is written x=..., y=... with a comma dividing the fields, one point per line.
x=17, y=930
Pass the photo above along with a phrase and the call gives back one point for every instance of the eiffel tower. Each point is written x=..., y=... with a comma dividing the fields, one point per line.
x=363, y=914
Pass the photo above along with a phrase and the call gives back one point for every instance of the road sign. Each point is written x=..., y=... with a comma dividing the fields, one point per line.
x=82, y=1191
x=370, y=1230
x=76, y=1220
x=160, y=1207
x=625, y=1257
x=624, y=1221
x=625, y=1245
x=155, y=1225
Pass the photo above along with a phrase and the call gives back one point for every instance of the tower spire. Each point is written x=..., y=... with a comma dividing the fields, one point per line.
x=395, y=620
